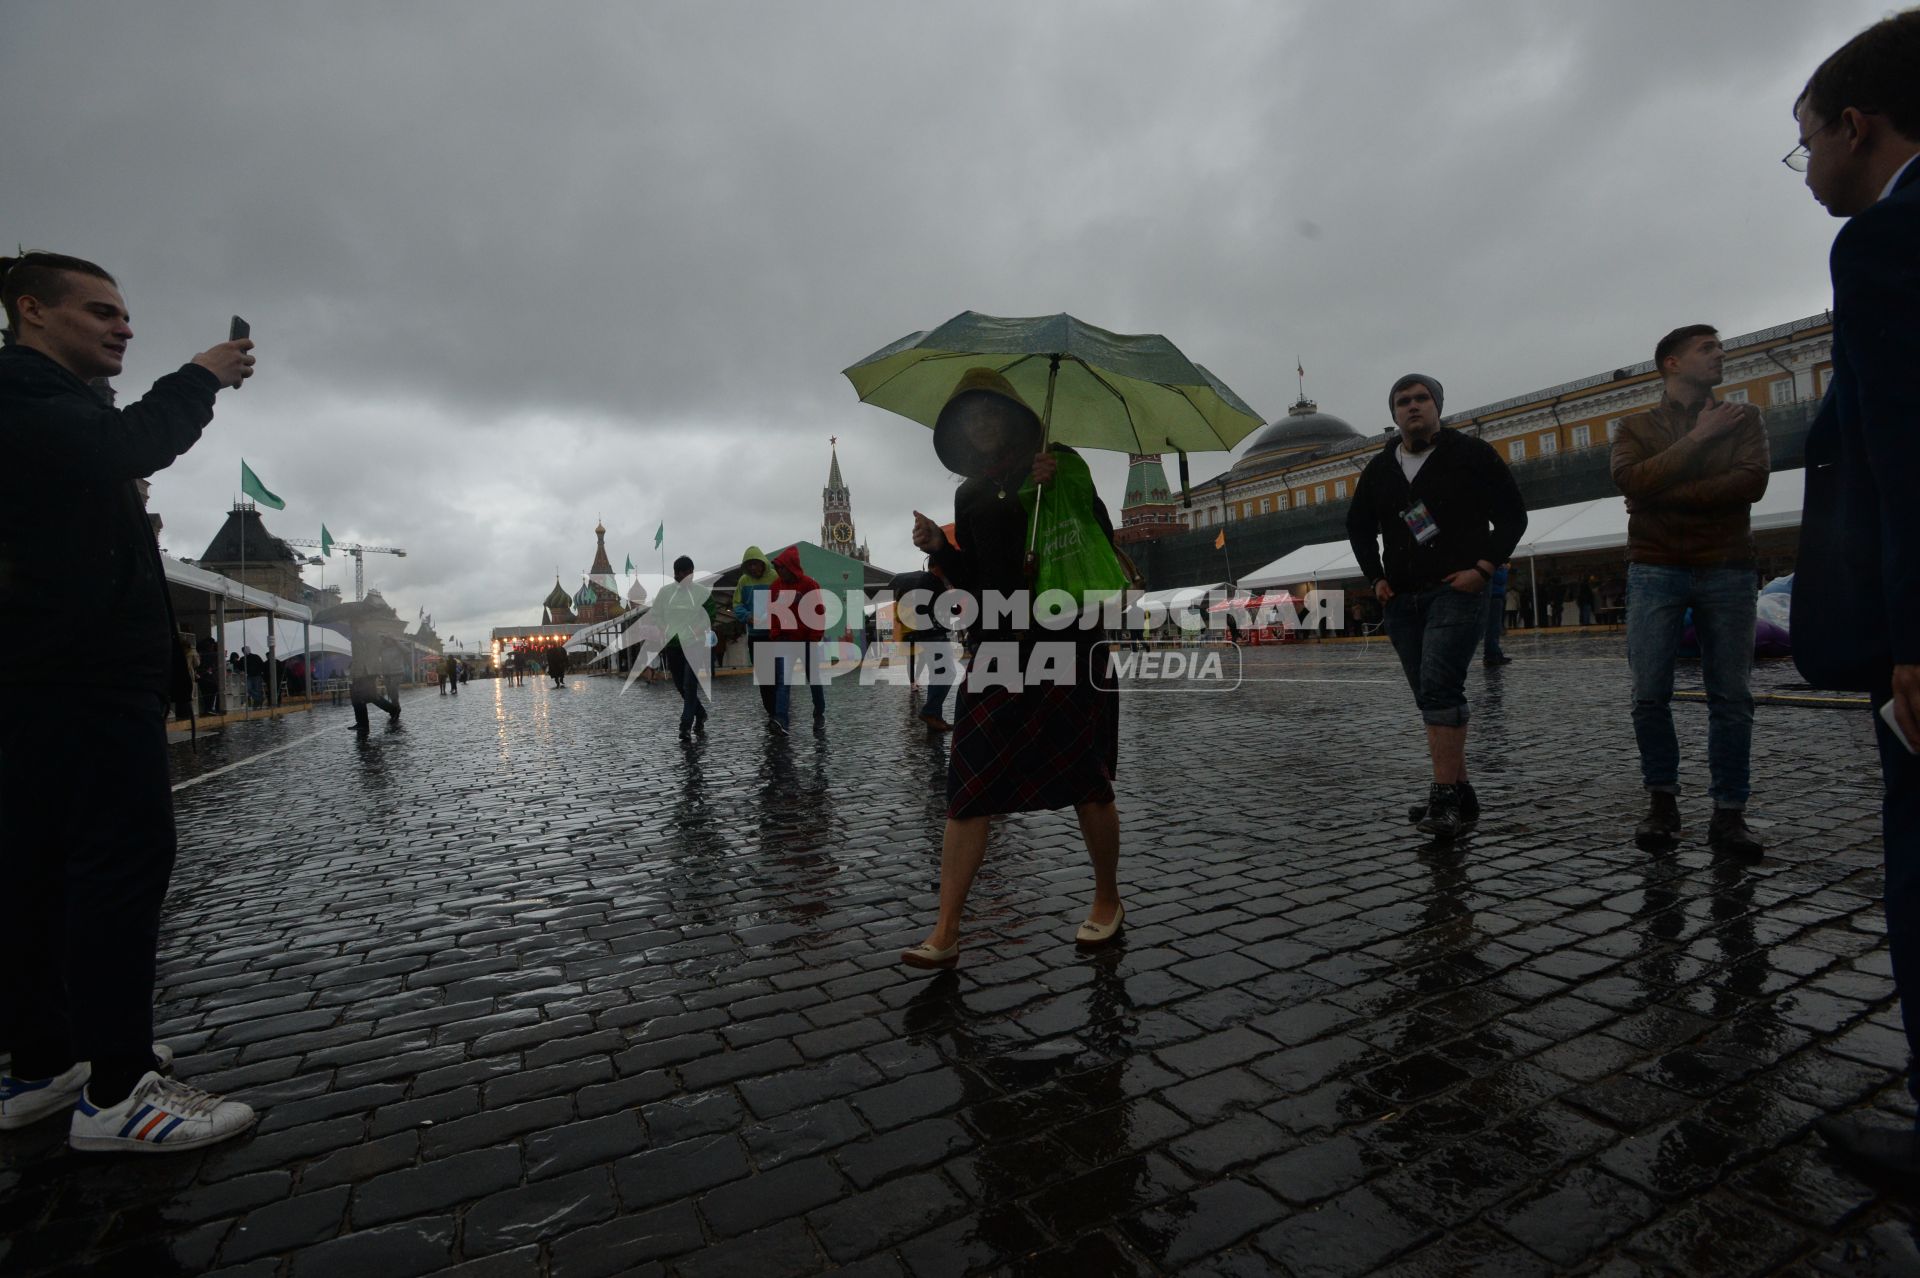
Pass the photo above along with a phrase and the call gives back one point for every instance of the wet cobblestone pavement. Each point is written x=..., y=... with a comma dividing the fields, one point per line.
x=531, y=988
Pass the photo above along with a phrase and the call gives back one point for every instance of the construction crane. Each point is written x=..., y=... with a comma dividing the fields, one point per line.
x=359, y=562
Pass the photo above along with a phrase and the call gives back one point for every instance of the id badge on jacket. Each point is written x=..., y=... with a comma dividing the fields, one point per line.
x=1419, y=521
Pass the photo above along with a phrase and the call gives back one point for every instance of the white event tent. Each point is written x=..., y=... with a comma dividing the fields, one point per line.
x=1600, y=524
x=222, y=591
x=1161, y=606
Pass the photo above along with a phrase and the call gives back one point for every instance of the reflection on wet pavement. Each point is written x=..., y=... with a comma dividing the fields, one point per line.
x=533, y=985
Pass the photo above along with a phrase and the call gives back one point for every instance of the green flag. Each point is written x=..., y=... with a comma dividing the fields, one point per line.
x=250, y=485
x=629, y=565
x=659, y=534
x=326, y=541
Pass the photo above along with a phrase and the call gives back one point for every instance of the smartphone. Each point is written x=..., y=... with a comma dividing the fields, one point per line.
x=1886, y=712
x=237, y=329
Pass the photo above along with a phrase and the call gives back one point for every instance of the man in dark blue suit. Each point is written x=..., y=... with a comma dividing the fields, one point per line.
x=1856, y=604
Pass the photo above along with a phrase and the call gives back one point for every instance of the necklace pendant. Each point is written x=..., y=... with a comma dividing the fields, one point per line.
x=1003, y=494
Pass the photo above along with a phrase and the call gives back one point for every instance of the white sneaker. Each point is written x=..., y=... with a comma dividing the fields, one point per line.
x=160, y=1117
x=24, y=1101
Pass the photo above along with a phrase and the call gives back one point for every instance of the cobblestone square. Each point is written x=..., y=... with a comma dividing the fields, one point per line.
x=531, y=987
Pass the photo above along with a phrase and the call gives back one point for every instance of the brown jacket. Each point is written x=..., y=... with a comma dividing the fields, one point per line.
x=1688, y=501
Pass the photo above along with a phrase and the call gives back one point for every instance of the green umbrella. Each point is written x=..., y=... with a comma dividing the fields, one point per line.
x=1124, y=392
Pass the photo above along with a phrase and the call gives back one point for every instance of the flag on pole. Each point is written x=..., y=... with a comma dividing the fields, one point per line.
x=250, y=485
x=659, y=534
x=1298, y=367
x=1220, y=542
x=326, y=541
x=629, y=565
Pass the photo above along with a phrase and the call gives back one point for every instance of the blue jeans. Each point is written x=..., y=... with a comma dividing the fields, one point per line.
x=782, y=693
x=1435, y=631
x=687, y=680
x=1496, y=624
x=1722, y=600
x=938, y=685
x=936, y=699
x=1900, y=835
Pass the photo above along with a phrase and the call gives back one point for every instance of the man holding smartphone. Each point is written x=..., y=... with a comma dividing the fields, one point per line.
x=86, y=806
x=1856, y=597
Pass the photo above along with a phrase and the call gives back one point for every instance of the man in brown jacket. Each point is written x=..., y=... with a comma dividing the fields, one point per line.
x=1691, y=469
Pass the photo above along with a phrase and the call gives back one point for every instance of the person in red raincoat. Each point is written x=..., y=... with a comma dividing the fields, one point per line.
x=795, y=602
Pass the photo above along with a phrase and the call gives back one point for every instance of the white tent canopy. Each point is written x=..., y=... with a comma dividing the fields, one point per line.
x=1600, y=524
x=1329, y=560
x=288, y=641
x=212, y=583
x=1158, y=605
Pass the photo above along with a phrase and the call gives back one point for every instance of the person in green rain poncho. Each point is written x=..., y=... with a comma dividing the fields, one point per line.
x=757, y=577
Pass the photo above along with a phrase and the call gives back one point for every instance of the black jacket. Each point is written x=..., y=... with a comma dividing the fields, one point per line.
x=991, y=526
x=1468, y=491
x=75, y=542
x=1856, y=596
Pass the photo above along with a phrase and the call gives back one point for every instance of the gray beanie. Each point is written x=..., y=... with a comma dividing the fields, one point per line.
x=1433, y=389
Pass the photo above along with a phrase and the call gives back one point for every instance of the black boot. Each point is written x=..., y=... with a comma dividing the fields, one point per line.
x=1895, y=1151
x=1469, y=807
x=1660, y=828
x=1443, y=819
x=1728, y=833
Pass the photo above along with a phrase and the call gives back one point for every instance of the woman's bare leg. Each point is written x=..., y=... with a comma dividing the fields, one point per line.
x=1100, y=826
x=961, y=852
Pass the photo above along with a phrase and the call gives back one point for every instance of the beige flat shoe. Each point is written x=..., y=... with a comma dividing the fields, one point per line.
x=928, y=958
x=1092, y=933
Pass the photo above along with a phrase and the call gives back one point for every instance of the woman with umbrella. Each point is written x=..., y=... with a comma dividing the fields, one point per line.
x=1051, y=744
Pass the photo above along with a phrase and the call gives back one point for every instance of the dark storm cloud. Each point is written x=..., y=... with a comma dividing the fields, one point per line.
x=516, y=268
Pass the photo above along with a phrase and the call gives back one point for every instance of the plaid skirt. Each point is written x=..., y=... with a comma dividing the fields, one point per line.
x=1052, y=745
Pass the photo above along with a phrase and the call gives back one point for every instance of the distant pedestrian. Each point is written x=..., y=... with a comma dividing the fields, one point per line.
x=684, y=612
x=1691, y=469
x=183, y=692
x=937, y=641
x=256, y=668
x=1589, y=595
x=795, y=599
x=1049, y=742
x=209, y=676
x=557, y=663
x=754, y=584
x=1497, y=616
x=1448, y=512
x=86, y=802
x=364, y=669
x=1856, y=599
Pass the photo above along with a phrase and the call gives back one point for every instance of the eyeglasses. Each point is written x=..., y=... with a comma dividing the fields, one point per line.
x=1798, y=158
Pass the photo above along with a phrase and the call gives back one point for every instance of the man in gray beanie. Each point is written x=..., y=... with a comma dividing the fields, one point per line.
x=1420, y=379
x=1448, y=512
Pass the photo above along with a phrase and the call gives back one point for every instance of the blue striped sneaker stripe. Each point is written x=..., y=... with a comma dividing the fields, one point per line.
x=134, y=1121
x=167, y=1131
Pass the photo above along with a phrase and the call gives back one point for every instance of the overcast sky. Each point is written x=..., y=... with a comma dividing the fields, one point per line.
x=514, y=268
